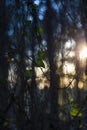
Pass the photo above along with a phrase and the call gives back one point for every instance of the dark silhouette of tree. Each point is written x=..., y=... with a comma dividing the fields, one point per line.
x=4, y=64
x=54, y=78
x=33, y=35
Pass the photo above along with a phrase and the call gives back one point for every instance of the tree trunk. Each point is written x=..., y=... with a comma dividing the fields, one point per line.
x=54, y=78
x=4, y=92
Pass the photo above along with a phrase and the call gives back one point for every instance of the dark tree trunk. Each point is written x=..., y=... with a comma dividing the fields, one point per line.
x=33, y=87
x=3, y=51
x=3, y=60
x=54, y=78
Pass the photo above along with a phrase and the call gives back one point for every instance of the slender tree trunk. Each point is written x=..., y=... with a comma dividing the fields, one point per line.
x=34, y=103
x=4, y=92
x=54, y=78
x=3, y=50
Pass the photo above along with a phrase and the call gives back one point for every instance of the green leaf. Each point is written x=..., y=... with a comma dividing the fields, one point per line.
x=40, y=30
x=75, y=105
x=80, y=126
x=5, y=123
x=71, y=100
x=28, y=73
x=35, y=6
x=80, y=114
x=75, y=111
x=40, y=63
x=42, y=55
x=28, y=22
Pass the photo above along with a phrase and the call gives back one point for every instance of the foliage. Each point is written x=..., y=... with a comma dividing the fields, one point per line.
x=28, y=73
x=40, y=63
x=75, y=111
x=28, y=22
x=27, y=30
x=41, y=55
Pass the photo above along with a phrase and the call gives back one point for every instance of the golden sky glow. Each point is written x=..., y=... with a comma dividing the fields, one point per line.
x=80, y=84
x=69, y=68
x=83, y=53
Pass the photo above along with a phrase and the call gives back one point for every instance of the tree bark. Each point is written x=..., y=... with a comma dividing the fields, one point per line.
x=54, y=78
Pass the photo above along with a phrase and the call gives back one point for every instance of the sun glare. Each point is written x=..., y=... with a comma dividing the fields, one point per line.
x=83, y=53
x=69, y=68
x=80, y=84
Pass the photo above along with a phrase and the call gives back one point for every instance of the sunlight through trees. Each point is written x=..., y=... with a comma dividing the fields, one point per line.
x=43, y=65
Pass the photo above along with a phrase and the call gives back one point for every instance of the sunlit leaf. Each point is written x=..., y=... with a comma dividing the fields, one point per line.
x=71, y=100
x=80, y=114
x=75, y=105
x=40, y=63
x=76, y=112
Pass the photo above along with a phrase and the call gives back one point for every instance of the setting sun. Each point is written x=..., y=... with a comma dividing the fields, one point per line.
x=83, y=53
